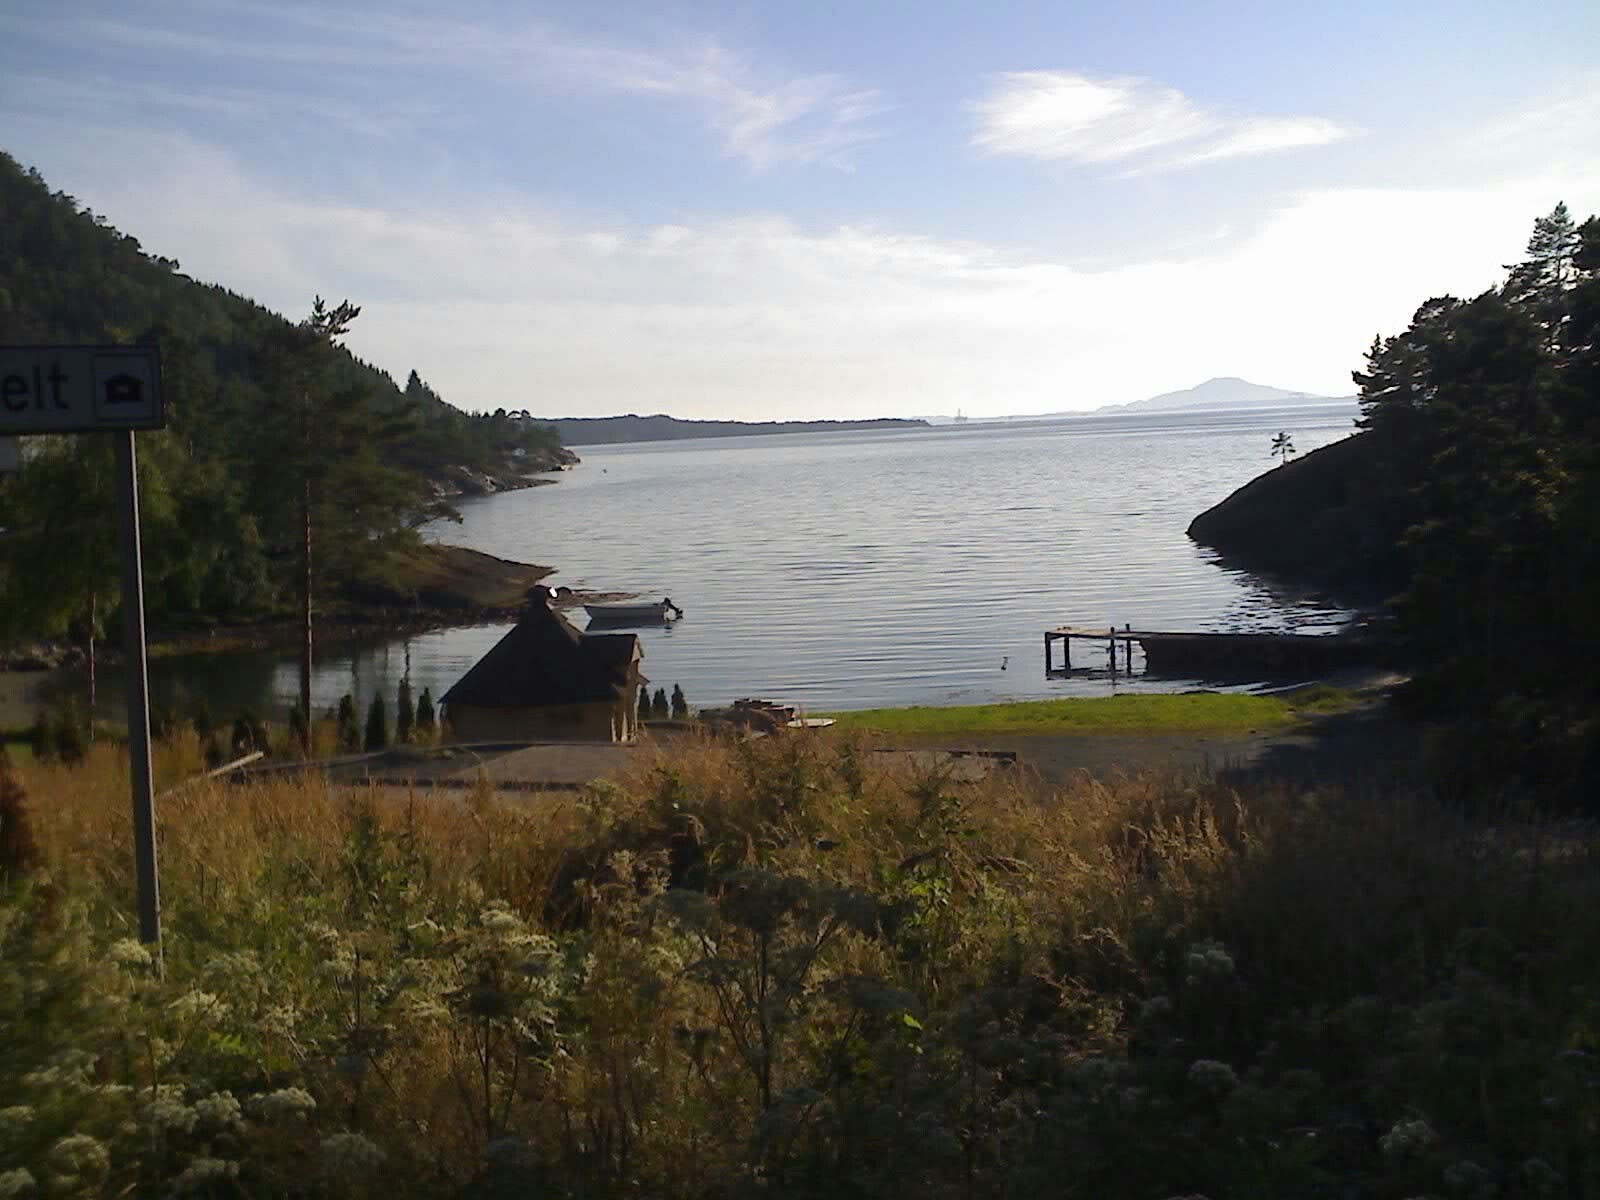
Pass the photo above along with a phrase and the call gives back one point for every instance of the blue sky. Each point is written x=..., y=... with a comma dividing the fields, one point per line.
x=764, y=210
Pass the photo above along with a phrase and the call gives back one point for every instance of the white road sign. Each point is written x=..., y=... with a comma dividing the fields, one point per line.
x=79, y=389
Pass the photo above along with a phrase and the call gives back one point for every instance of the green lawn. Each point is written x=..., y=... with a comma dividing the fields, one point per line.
x=1201, y=712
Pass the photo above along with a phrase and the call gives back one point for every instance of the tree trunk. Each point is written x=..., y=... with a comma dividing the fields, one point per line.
x=305, y=609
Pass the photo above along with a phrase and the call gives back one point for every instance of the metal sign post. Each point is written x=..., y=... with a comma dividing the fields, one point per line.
x=97, y=389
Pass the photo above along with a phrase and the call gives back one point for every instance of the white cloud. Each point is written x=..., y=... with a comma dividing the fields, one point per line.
x=760, y=317
x=762, y=115
x=1062, y=115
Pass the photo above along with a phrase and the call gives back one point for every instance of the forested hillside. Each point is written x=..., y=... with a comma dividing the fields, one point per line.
x=266, y=417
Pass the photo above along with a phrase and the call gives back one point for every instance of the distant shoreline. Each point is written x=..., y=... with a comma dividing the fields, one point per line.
x=658, y=427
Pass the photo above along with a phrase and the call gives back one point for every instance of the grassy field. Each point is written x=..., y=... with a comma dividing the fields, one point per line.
x=1198, y=712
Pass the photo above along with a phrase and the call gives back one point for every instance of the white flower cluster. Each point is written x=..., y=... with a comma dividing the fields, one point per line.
x=1212, y=1077
x=201, y=1174
x=78, y=1160
x=1541, y=1178
x=217, y=1111
x=1406, y=1138
x=68, y=1069
x=350, y=1154
x=285, y=1102
x=499, y=919
x=128, y=952
x=1208, y=960
x=234, y=965
x=1466, y=1178
x=1155, y=1009
x=164, y=1110
x=13, y=1121
x=194, y=1004
x=17, y=1183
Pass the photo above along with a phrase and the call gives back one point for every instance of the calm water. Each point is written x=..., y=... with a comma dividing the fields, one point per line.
x=855, y=570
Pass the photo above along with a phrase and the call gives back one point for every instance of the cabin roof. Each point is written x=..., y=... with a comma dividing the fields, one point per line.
x=543, y=660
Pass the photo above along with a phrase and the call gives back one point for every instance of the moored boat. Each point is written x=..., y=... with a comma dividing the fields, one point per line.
x=655, y=613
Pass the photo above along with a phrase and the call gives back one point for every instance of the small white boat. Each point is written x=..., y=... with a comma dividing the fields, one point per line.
x=633, y=614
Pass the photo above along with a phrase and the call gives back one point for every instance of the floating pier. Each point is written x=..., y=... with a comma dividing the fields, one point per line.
x=1216, y=655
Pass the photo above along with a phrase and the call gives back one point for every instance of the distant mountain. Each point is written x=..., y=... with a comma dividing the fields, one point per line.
x=1226, y=392
x=599, y=431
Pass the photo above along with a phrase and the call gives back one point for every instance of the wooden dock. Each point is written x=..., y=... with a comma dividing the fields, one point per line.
x=1214, y=655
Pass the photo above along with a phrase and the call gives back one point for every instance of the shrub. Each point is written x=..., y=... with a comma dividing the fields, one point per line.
x=405, y=713
x=349, y=732
x=377, y=726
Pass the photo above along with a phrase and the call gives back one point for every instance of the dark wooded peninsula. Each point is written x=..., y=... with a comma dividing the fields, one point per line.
x=1466, y=515
x=600, y=431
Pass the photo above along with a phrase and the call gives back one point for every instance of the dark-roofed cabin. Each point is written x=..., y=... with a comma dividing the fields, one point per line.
x=544, y=679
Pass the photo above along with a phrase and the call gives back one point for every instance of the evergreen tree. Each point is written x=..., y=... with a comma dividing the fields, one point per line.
x=680, y=704
x=377, y=726
x=658, y=705
x=1282, y=447
x=405, y=713
x=349, y=734
x=644, y=705
x=426, y=719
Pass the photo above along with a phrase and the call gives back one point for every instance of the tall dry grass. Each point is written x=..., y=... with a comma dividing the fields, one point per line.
x=788, y=966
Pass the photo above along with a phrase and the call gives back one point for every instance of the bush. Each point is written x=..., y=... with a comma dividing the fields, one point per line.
x=249, y=734
x=69, y=734
x=349, y=733
x=377, y=726
x=405, y=713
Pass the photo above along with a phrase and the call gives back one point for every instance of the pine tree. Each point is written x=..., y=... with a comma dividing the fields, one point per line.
x=426, y=718
x=377, y=726
x=644, y=705
x=349, y=734
x=658, y=705
x=1282, y=447
x=405, y=713
x=680, y=704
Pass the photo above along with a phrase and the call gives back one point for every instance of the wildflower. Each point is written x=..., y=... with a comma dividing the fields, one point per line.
x=234, y=965
x=1155, y=1009
x=165, y=1110
x=1542, y=1179
x=1208, y=960
x=1406, y=1138
x=1209, y=1075
x=498, y=920
x=350, y=1154
x=13, y=1121
x=79, y=1155
x=202, y=1173
x=285, y=1102
x=17, y=1183
x=217, y=1111
x=194, y=1004
x=278, y=1020
x=126, y=952
x=1466, y=1178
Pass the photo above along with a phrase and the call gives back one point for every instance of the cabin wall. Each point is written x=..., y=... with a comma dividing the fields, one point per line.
x=599, y=722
